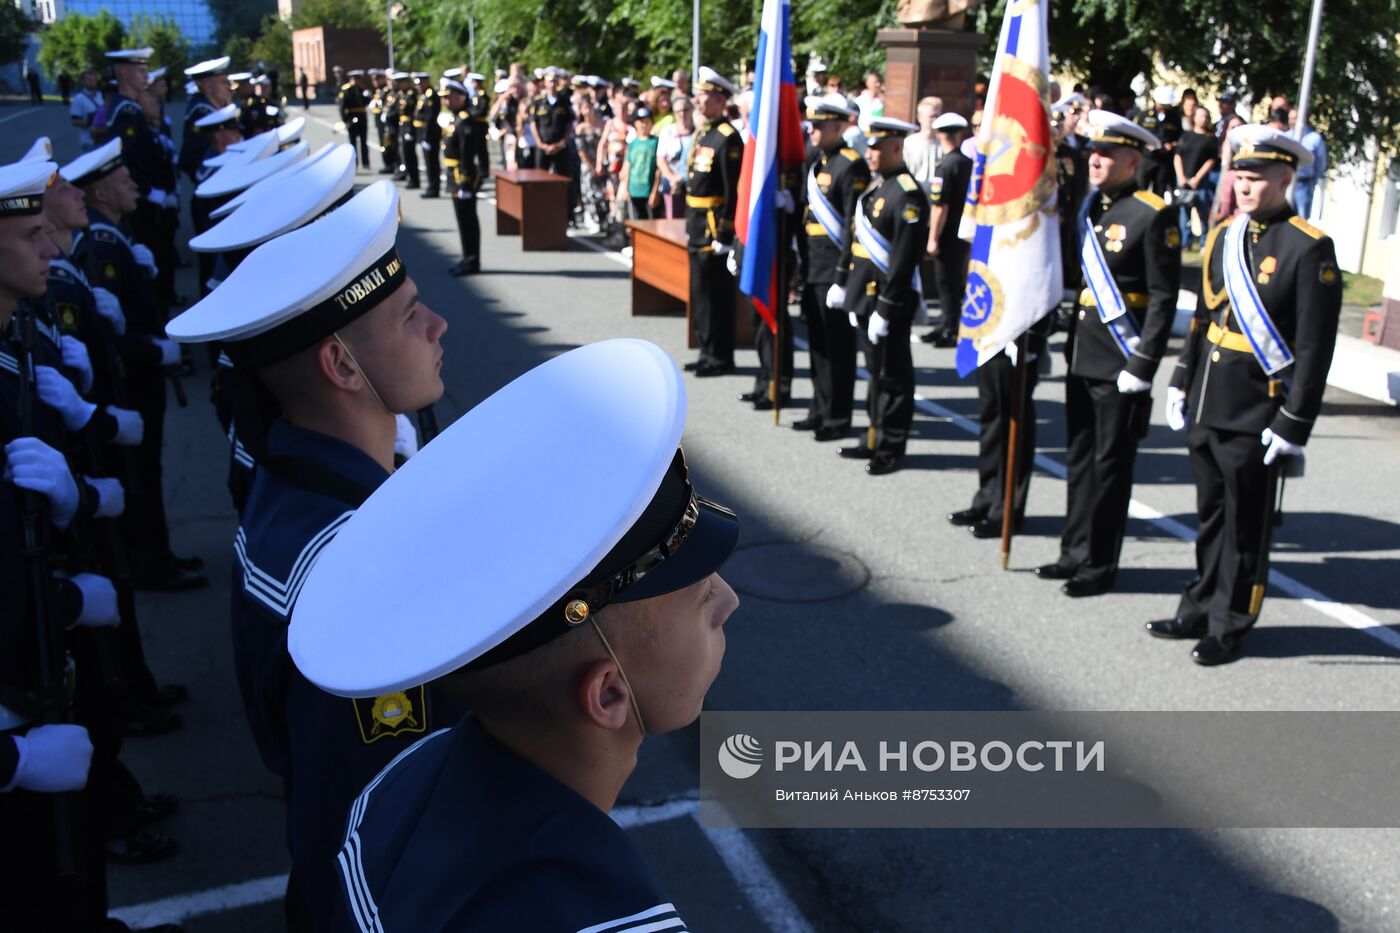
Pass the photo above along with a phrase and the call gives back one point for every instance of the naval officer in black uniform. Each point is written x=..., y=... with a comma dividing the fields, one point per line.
x=1132, y=270
x=353, y=101
x=836, y=178
x=1250, y=384
x=584, y=636
x=358, y=348
x=460, y=146
x=427, y=134
x=711, y=186
x=883, y=291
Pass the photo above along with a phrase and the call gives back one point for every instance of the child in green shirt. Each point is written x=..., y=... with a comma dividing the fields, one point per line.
x=640, y=179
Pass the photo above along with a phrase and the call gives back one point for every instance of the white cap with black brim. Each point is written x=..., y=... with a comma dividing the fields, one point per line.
x=233, y=203
x=234, y=178
x=22, y=187
x=94, y=165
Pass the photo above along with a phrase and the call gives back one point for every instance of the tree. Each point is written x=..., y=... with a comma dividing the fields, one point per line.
x=238, y=18
x=274, y=46
x=14, y=28
x=338, y=14
x=169, y=47
x=77, y=42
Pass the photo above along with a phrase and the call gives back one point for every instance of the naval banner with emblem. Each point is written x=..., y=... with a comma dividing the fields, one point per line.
x=1015, y=277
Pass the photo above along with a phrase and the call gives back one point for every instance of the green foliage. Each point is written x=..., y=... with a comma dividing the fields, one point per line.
x=338, y=14
x=169, y=46
x=238, y=19
x=843, y=34
x=77, y=42
x=274, y=46
x=14, y=27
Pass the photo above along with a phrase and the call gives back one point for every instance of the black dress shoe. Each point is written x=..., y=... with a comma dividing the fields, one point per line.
x=831, y=434
x=930, y=337
x=946, y=341
x=1176, y=628
x=192, y=562
x=753, y=396
x=428, y=194
x=412, y=186
x=1055, y=571
x=806, y=424
x=706, y=370
x=857, y=452
x=1216, y=649
x=881, y=464
x=692, y=366
x=986, y=528
x=170, y=580
x=1081, y=586
x=141, y=848
x=766, y=404
x=465, y=268
x=966, y=517
x=386, y=171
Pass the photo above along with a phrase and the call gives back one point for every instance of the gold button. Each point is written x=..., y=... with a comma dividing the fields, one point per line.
x=1215, y=357
x=1081, y=314
x=576, y=612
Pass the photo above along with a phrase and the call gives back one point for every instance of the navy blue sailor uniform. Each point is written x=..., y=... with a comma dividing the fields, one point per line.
x=1141, y=246
x=325, y=747
x=146, y=159
x=461, y=144
x=420, y=851
x=194, y=146
x=948, y=189
x=1231, y=400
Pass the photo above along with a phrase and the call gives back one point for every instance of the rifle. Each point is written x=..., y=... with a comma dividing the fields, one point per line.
x=53, y=686
x=1273, y=517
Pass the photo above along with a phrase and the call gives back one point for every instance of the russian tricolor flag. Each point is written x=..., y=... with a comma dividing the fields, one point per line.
x=772, y=142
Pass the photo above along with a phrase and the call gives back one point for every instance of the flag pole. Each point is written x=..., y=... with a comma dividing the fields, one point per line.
x=779, y=310
x=1013, y=449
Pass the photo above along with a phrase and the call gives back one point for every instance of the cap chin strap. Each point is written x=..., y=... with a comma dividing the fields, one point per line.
x=631, y=694
x=360, y=369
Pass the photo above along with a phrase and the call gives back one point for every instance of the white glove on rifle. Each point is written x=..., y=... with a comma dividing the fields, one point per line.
x=52, y=759
x=144, y=258
x=1176, y=409
x=718, y=248
x=405, y=437
x=99, y=601
x=75, y=357
x=130, y=427
x=835, y=296
x=31, y=464
x=157, y=196
x=1278, y=447
x=169, y=350
x=878, y=327
x=785, y=201
x=111, y=309
x=851, y=316
x=731, y=262
x=111, y=497
x=59, y=394
x=1128, y=384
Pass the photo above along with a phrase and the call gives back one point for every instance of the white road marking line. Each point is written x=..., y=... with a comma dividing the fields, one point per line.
x=751, y=873
x=22, y=113
x=628, y=817
x=214, y=900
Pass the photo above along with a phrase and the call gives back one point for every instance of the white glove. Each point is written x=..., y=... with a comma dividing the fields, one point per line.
x=1128, y=384
x=110, y=308
x=835, y=296
x=31, y=464
x=169, y=350
x=731, y=262
x=157, y=196
x=851, y=316
x=405, y=437
x=130, y=427
x=1176, y=409
x=1278, y=447
x=75, y=357
x=785, y=201
x=172, y=201
x=53, y=759
x=99, y=601
x=144, y=258
x=718, y=248
x=59, y=394
x=877, y=328
x=111, y=497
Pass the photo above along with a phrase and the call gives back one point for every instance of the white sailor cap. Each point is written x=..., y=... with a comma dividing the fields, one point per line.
x=419, y=75
x=711, y=80
x=473, y=76
x=554, y=71
x=375, y=72
x=399, y=75
x=222, y=117
x=129, y=56
x=453, y=72
x=882, y=128
x=355, y=73
x=262, y=79
x=155, y=74
x=41, y=151
x=238, y=200
x=1075, y=101
x=285, y=202
x=597, y=82
x=95, y=164
x=1257, y=144
x=208, y=68
x=240, y=77
x=950, y=121
x=303, y=286
x=449, y=85
x=246, y=150
x=22, y=186
x=658, y=81
x=290, y=131
x=1104, y=130
x=518, y=550
x=629, y=81
x=233, y=178
x=501, y=87
x=829, y=107
x=539, y=73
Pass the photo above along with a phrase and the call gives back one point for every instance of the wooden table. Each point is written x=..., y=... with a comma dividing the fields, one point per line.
x=535, y=205
x=661, y=278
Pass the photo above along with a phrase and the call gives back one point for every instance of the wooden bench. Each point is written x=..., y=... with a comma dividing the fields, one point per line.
x=661, y=278
x=535, y=205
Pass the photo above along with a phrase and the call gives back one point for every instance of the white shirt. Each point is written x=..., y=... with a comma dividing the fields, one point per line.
x=921, y=157
x=85, y=104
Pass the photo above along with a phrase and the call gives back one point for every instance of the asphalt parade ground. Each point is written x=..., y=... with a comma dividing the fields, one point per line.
x=856, y=595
